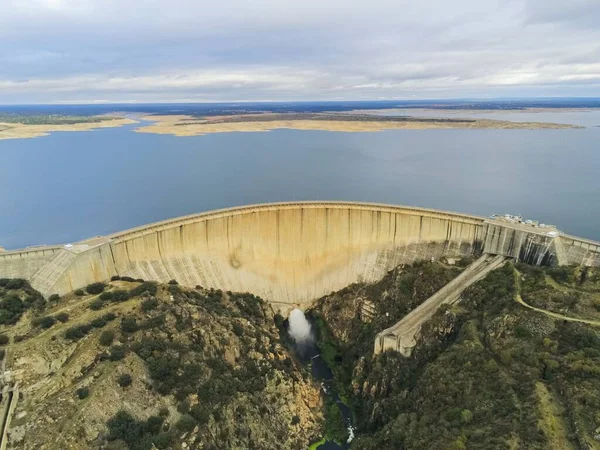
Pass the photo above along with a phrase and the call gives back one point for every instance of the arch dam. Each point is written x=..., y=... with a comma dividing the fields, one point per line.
x=288, y=253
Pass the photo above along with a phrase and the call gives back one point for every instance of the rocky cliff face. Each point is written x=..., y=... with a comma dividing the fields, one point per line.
x=146, y=365
x=487, y=373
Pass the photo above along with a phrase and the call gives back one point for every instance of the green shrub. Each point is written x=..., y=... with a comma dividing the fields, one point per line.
x=125, y=427
x=186, y=423
x=4, y=339
x=109, y=316
x=115, y=278
x=117, y=353
x=77, y=332
x=173, y=282
x=95, y=288
x=154, y=424
x=560, y=274
x=124, y=380
x=62, y=317
x=54, y=298
x=162, y=441
x=96, y=304
x=11, y=309
x=106, y=338
x=174, y=289
x=98, y=322
x=149, y=304
x=83, y=392
x=145, y=287
x=138, y=435
x=44, y=322
x=79, y=293
x=238, y=329
x=107, y=296
x=120, y=295
x=128, y=325
x=13, y=284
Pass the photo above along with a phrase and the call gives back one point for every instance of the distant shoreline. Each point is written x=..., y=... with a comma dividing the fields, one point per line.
x=181, y=125
x=348, y=122
x=23, y=131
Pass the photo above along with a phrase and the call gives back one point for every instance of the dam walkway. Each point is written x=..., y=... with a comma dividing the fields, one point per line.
x=402, y=336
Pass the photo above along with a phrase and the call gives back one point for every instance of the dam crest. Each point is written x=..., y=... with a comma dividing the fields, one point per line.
x=290, y=254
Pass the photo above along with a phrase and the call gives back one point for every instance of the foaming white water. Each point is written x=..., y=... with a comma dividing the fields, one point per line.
x=350, y=434
x=300, y=329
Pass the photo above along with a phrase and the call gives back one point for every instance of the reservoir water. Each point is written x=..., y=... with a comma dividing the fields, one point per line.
x=72, y=185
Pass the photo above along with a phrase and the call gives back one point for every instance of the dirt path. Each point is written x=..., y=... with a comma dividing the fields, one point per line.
x=519, y=299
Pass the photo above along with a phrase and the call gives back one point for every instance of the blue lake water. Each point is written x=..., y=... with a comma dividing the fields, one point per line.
x=73, y=185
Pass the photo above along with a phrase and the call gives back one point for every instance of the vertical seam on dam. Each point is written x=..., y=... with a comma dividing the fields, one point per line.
x=162, y=259
x=112, y=255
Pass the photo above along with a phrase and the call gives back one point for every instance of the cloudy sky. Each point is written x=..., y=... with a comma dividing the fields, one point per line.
x=236, y=50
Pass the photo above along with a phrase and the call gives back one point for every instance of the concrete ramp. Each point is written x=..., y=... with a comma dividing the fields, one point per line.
x=402, y=337
x=45, y=278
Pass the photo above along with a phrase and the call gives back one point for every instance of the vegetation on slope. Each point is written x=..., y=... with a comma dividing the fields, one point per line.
x=486, y=374
x=162, y=366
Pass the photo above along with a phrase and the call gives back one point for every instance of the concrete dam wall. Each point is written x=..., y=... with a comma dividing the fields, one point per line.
x=288, y=253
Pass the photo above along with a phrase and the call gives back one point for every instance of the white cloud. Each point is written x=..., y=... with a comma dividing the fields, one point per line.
x=52, y=50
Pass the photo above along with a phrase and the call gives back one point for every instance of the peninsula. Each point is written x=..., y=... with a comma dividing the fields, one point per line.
x=184, y=125
x=30, y=126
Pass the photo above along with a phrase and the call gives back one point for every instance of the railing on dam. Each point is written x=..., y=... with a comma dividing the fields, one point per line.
x=288, y=253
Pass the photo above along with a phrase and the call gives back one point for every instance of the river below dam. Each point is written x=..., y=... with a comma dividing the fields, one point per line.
x=303, y=343
x=73, y=185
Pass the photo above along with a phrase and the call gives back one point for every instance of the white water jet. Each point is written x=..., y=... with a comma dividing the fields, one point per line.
x=300, y=329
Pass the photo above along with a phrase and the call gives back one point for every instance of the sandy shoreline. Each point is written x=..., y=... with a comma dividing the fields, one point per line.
x=182, y=125
x=193, y=126
x=22, y=131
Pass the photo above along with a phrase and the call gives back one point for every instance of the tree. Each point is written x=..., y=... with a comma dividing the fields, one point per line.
x=79, y=293
x=4, y=339
x=54, y=298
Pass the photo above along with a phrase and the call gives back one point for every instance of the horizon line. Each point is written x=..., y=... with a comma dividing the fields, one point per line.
x=229, y=102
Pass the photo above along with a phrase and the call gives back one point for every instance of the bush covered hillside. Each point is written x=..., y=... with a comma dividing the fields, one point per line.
x=136, y=365
x=488, y=373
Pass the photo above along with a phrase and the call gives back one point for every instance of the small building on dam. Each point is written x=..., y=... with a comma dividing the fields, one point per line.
x=288, y=253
